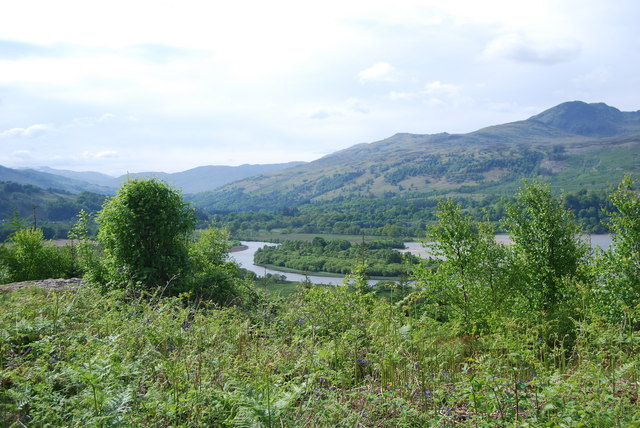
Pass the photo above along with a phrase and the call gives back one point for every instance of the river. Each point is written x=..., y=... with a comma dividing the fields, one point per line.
x=245, y=258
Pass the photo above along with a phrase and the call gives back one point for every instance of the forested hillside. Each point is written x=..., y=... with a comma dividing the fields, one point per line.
x=54, y=210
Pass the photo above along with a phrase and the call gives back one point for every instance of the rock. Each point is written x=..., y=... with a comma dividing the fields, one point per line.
x=47, y=284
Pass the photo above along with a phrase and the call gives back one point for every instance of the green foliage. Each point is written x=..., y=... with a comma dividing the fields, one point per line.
x=336, y=256
x=85, y=251
x=29, y=257
x=547, y=248
x=470, y=282
x=618, y=269
x=532, y=334
x=211, y=275
x=145, y=231
x=327, y=358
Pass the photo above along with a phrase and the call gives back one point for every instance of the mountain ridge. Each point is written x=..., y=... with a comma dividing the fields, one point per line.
x=570, y=145
x=193, y=180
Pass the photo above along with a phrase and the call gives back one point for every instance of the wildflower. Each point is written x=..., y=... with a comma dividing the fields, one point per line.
x=186, y=325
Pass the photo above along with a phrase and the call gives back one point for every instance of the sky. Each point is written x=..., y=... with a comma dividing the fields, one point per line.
x=167, y=85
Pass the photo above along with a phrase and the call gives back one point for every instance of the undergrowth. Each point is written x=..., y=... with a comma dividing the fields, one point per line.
x=326, y=357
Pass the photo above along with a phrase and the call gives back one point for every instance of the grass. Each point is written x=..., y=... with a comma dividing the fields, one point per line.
x=278, y=288
x=324, y=357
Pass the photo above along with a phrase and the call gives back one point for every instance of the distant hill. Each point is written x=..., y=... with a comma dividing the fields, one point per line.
x=194, y=180
x=49, y=180
x=86, y=176
x=573, y=145
x=210, y=177
x=53, y=210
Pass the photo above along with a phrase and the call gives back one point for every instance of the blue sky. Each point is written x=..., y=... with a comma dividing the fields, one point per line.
x=122, y=87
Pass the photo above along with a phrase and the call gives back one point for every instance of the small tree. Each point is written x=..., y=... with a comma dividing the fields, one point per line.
x=145, y=231
x=618, y=268
x=469, y=283
x=212, y=275
x=547, y=247
x=30, y=257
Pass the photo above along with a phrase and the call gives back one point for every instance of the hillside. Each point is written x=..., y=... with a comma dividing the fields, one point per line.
x=50, y=180
x=53, y=210
x=194, y=180
x=572, y=146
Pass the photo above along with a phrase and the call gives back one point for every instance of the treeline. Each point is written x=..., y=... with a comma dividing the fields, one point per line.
x=396, y=216
x=338, y=256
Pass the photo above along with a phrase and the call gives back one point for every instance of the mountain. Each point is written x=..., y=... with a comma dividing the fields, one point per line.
x=85, y=176
x=49, y=180
x=572, y=146
x=194, y=180
x=206, y=178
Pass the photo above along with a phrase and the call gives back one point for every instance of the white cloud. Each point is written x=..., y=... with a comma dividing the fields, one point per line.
x=107, y=154
x=350, y=107
x=22, y=154
x=28, y=132
x=517, y=47
x=438, y=88
x=204, y=76
x=396, y=95
x=380, y=71
x=599, y=76
x=87, y=121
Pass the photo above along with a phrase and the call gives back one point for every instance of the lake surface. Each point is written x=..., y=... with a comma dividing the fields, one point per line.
x=245, y=258
x=602, y=241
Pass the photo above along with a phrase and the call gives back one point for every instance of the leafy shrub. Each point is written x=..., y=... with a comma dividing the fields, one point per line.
x=29, y=257
x=144, y=231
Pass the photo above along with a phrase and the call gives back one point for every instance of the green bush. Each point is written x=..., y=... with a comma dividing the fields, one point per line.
x=28, y=257
x=145, y=231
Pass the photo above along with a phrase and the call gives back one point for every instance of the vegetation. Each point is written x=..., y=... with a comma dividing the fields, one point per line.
x=558, y=147
x=337, y=256
x=144, y=231
x=539, y=333
x=53, y=211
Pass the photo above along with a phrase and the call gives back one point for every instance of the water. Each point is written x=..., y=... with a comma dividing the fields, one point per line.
x=245, y=258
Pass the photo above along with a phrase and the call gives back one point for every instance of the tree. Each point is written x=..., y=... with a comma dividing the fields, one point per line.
x=212, y=275
x=145, y=231
x=468, y=284
x=619, y=267
x=29, y=257
x=547, y=247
